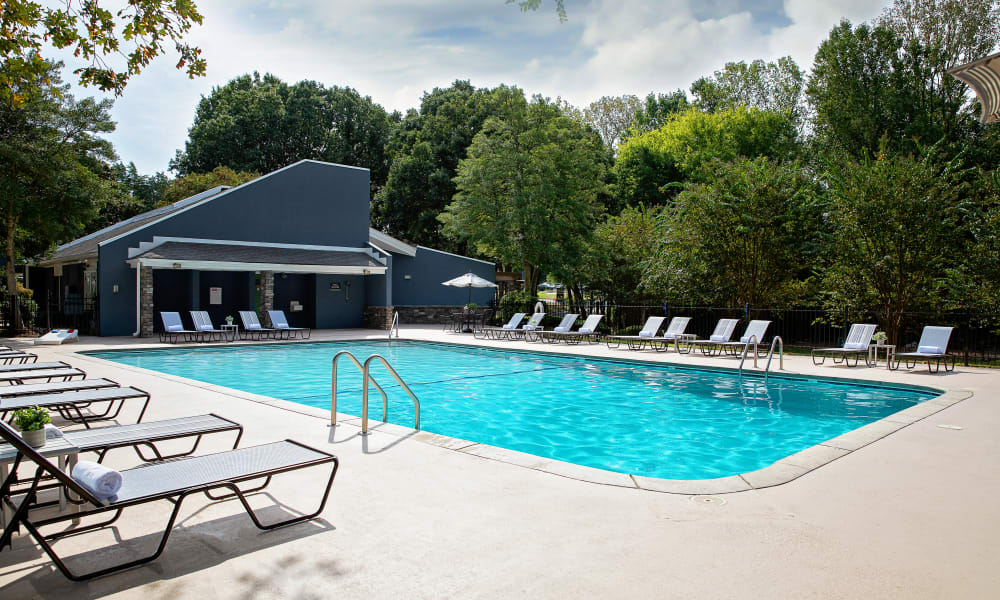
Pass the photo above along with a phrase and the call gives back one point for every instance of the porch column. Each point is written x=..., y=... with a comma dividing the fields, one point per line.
x=266, y=295
x=146, y=301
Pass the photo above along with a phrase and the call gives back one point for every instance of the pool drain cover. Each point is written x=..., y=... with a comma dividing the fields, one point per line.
x=710, y=500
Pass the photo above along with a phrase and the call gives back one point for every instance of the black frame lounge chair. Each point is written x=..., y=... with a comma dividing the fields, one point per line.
x=495, y=333
x=104, y=439
x=62, y=374
x=173, y=328
x=280, y=323
x=587, y=331
x=69, y=404
x=173, y=481
x=636, y=342
x=252, y=326
x=534, y=325
x=35, y=366
x=673, y=334
x=857, y=343
x=17, y=357
x=28, y=389
x=933, y=346
x=205, y=328
x=756, y=329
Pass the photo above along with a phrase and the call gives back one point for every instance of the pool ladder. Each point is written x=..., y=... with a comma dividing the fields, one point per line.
x=395, y=324
x=770, y=354
x=366, y=379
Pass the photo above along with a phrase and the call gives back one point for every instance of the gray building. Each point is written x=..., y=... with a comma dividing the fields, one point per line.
x=297, y=239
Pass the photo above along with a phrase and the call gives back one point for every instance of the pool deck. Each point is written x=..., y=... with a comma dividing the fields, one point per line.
x=904, y=508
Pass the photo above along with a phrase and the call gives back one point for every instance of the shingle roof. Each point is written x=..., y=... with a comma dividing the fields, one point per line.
x=249, y=254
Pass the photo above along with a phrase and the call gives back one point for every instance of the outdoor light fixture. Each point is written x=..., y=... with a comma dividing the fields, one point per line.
x=335, y=286
x=407, y=276
x=177, y=265
x=114, y=289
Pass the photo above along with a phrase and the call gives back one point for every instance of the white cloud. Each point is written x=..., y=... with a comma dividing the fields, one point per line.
x=396, y=50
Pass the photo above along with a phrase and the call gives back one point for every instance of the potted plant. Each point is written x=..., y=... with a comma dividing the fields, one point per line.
x=471, y=306
x=229, y=320
x=31, y=421
x=880, y=337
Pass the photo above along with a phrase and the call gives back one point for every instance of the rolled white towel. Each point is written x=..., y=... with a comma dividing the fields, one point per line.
x=51, y=431
x=98, y=479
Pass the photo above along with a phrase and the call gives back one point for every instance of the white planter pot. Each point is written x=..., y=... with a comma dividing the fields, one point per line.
x=35, y=439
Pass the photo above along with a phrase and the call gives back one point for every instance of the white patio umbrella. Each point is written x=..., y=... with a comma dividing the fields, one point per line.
x=469, y=280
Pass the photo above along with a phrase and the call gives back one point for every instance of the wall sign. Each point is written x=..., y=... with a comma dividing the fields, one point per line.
x=215, y=295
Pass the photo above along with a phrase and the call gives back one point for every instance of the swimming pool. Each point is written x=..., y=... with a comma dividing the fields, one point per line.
x=630, y=417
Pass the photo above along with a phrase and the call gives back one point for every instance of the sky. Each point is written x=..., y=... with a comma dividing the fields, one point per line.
x=396, y=50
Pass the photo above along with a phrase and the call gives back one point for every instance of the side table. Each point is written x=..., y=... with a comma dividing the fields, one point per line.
x=890, y=353
x=58, y=447
x=234, y=328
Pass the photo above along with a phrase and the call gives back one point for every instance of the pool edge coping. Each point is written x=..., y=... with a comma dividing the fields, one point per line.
x=778, y=473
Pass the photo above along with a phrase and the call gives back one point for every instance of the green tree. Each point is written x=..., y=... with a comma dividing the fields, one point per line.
x=743, y=236
x=612, y=117
x=776, y=86
x=897, y=232
x=195, y=183
x=260, y=124
x=426, y=149
x=529, y=190
x=133, y=193
x=137, y=33
x=658, y=109
x=620, y=247
x=52, y=158
x=678, y=151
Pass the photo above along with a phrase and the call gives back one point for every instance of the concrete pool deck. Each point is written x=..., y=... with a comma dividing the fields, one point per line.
x=910, y=515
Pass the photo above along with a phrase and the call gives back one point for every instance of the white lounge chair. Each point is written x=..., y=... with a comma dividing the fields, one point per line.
x=587, y=331
x=204, y=326
x=754, y=333
x=252, y=326
x=858, y=339
x=280, y=323
x=497, y=332
x=933, y=346
x=533, y=324
x=565, y=325
x=722, y=333
x=673, y=335
x=636, y=342
x=173, y=328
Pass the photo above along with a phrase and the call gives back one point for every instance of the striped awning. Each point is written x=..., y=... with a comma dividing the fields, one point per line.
x=983, y=76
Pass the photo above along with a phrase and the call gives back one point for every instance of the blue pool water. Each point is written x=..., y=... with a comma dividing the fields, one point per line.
x=657, y=421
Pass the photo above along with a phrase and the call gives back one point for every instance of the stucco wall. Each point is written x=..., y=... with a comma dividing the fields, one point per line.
x=307, y=203
x=427, y=270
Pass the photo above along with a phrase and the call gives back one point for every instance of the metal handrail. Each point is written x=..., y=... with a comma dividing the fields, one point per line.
x=385, y=402
x=395, y=324
x=746, y=346
x=333, y=386
x=781, y=355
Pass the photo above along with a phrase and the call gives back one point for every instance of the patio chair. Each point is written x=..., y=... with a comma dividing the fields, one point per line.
x=858, y=339
x=533, y=324
x=64, y=373
x=35, y=366
x=252, y=326
x=69, y=405
x=672, y=335
x=933, y=346
x=495, y=332
x=565, y=325
x=754, y=333
x=17, y=357
x=173, y=481
x=204, y=328
x=280, y=323
x=635, y=342
x=173, y=328
x=587, y=331
x=29, y=389
x=722, y=333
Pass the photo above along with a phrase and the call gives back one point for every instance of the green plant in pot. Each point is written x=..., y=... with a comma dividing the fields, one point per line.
x=229, y=320
x=31, y=421
x=880, y=337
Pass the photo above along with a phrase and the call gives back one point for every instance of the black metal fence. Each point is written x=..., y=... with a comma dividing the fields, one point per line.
x=976, y=338
x=36, y=317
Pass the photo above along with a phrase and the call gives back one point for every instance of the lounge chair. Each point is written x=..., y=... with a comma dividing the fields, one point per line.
x=496, y=332
x=933, y=346
x=204, y=328
x=858, y=339
x=30, y=389
x=173, y=481
x=754, y=333
x=65, y=373
x=279, y=322
x=173, y=328
x=587, y=331
x=722, y=333
x=636, y=342
x=36, y=366
x=252, y=326
x=69, y=405
x=673, y=335
x=565, y=325
x=16, y=357
x=534, y=324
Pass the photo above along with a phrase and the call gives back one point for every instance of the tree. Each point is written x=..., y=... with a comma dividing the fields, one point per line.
x=897, y=230
x=94, y=34
x=528, y=192
x=775, y=86
x=743, y=236
x=659, y=108
x=195, y=183
x=526, y=5
x=612, y=117
x=133, y=193
x=53, y=156
x=620, y=247
x=260, y=124
x=425, y=151
x=678, y=151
